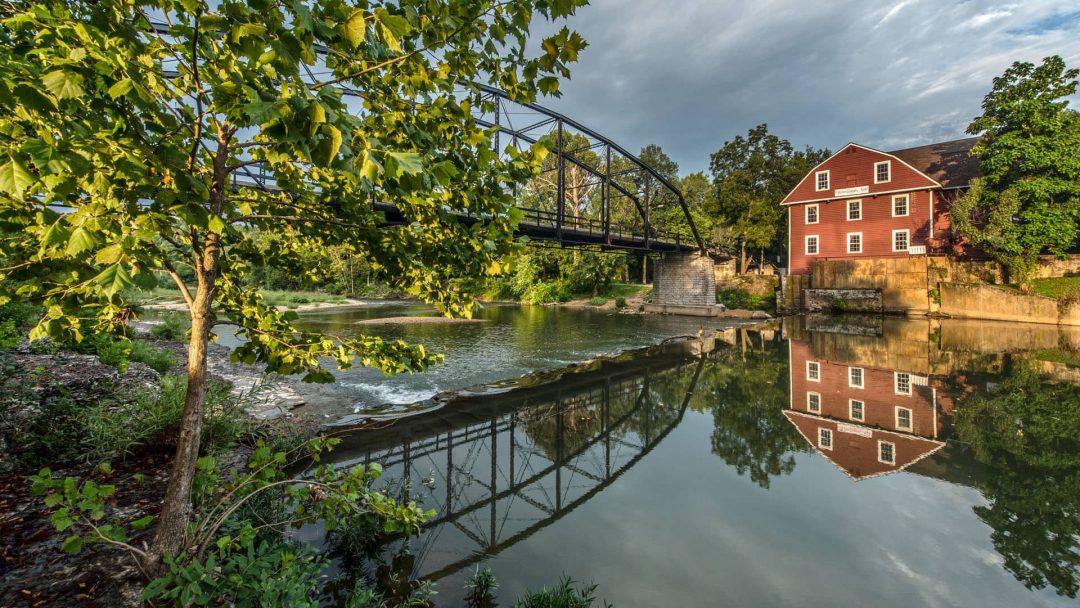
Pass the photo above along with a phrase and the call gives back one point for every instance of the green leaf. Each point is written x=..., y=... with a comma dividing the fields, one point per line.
x=355, y=27
x=113, y=279
x=399, y=163
x=121, y=88
x=110, y=254
x=61, y=520
x=81, y=240
x=72, y=545
x=392, y=27
x=64, y=84
x=14, y=178
x=142, y=522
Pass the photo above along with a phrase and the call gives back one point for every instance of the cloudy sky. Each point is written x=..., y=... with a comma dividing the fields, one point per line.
x=690, y=74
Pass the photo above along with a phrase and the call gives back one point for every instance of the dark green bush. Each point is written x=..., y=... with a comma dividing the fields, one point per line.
x=565, y=595
x=620, y=302
x=173, y=327
x=15, y=319
x=737, y=298
x=158, y=359
x=598, y=301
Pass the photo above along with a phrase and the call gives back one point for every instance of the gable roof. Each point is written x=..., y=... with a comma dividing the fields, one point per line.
x=949, y=162
x=787, y=199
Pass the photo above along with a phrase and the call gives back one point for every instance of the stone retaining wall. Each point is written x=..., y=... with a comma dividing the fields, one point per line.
x=998, y=304
x=684, y=279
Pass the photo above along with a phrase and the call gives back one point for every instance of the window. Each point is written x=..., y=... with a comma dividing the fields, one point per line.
x=902, y=382
x=903, y=419
x=855, y=377
x=813, y=402
x=886, y=452
x=882, y=171
x=824, y=439
x=812, y=244
x=855, y=409
x=900, y=240
x=822, y=178
x=854, y=242
x=854, y=210
x=813, y=371
x=900, y=205
x=811, y=214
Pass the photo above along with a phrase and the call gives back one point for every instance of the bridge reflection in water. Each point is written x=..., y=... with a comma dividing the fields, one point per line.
x=498, y=468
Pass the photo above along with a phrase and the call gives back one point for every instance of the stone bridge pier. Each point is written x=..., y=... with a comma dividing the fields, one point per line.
x=684, y=283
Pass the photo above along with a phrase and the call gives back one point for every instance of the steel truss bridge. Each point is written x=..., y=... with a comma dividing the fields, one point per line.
x=600, y=194
x=498, y=470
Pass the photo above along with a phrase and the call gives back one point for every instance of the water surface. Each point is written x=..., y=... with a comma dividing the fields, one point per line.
x=761, y=470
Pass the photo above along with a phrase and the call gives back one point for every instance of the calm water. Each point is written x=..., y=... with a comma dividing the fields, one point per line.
x=826, y=462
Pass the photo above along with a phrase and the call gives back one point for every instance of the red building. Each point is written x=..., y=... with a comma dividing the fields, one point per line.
x=862, y=202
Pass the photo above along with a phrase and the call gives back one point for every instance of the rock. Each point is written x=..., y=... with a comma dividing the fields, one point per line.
x=760, y=314
x=721, y=307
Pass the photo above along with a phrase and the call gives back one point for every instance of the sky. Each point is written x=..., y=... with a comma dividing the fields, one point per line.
x=691, y=74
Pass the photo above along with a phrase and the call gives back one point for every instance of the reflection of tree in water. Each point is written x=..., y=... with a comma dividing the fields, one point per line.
x=746, y=387
x=1028, y=434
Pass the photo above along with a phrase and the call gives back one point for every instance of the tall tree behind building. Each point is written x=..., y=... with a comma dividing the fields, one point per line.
x=751, y=175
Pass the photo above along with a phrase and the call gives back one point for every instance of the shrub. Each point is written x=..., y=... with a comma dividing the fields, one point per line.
x=15, y=319
x=598, y=301
x=173, y=327
x=562, y=596
x=737, y=298
x=620, y=302
x=481, y=588
x=160, y=360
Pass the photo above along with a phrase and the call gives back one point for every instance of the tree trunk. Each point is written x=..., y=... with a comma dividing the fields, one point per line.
x=176, y=509
x=644, y=270
x=743, y=261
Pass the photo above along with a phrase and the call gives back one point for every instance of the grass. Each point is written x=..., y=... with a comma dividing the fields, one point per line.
x=296, y=298
x=624, y=290
x=1057, y=287
x=1057, y=356
x=598, y=301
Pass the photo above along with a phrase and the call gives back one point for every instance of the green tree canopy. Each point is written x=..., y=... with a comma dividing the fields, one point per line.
x=1028, y=199
x=124, y=150
x=752, y=175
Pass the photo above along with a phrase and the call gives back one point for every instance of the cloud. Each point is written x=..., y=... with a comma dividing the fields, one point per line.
x=693, y=74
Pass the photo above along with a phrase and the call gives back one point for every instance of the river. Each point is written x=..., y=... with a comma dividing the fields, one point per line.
x=818, y=462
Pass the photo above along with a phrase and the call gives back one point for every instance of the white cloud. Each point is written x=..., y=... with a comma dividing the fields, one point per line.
x=693, y=74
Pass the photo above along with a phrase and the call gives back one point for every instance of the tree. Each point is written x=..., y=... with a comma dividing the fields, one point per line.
x=579, y=185
x=145, y=135
x=1028, y=199
x=652, y=193
x=752, y=175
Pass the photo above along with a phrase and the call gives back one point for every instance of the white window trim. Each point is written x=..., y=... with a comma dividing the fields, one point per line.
x=818, y=379
x=880, y=459
x=911, y=420
x=817, y=181
x=907, y=206
x=808, y=407
x=851, y=409
x=896, y=383
x=807, y=244
x=848, y=240
x=862, y=377
x=888, y=163
x=821, y=433
x=817, y=215
x=847, y=210
x=896, y=232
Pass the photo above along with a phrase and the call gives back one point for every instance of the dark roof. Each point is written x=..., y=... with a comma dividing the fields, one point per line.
x=949, y=163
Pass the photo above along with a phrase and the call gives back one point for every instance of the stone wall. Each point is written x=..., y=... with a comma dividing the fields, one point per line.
x=842, y=300
x=789, y=298
x=684, y=279
x=901, y=281
x=998, y=304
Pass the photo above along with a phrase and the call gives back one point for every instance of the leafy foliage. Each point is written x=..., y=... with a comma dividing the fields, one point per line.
x=563, y=595
x=752, y=175
x=1028, y=199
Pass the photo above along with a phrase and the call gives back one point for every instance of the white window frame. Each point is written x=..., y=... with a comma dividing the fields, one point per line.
x=817, y=244
x=817, y=215
x=821, y=434
x=862, y=409
x=809, y=406
x=848, y=240
x=847, y=210
x=817, y=181
x=817, y=366
x=910, y=416
x=888, y=168
x=892, y=445
x=862, y=378
x=907, y=205
x=907, y=237
x=896, y=383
